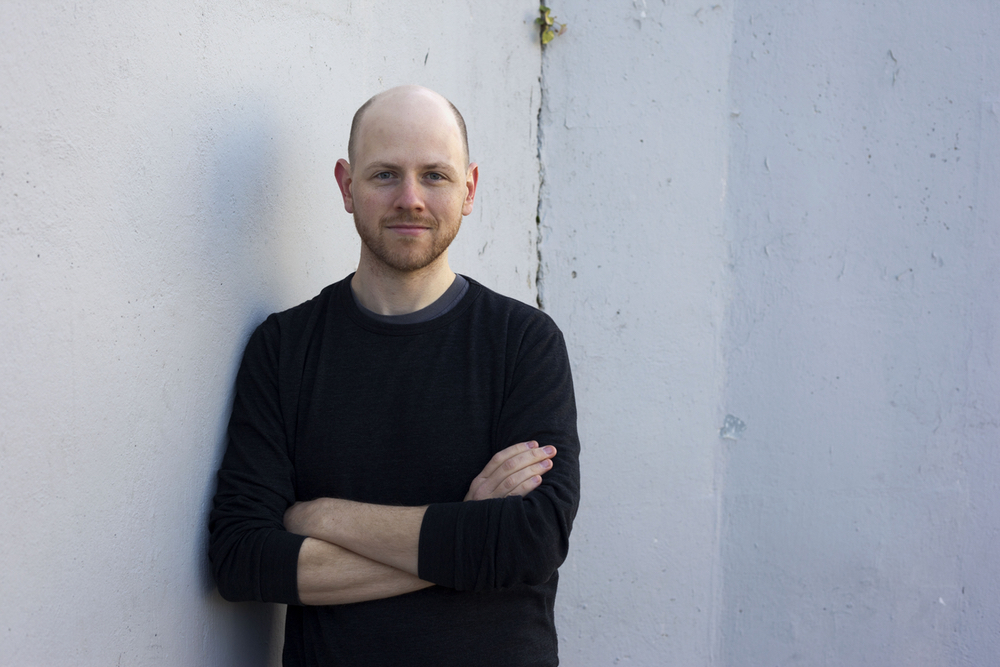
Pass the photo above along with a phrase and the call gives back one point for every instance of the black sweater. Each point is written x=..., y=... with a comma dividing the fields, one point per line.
x=331, y=403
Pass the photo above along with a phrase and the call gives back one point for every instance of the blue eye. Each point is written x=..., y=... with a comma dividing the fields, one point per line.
x=383, y=175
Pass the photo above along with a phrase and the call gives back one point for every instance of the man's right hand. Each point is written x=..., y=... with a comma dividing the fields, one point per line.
x=515, y=471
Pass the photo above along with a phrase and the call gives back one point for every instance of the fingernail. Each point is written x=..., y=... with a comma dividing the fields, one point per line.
x=550, y=450
x=547, y=464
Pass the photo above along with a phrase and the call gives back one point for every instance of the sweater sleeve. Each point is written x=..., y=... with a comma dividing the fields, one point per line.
x=498, y=543
x=253, y=557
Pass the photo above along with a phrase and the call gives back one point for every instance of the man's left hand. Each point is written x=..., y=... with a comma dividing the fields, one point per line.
x=515, y=471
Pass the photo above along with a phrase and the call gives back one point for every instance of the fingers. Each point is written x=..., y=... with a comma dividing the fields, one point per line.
x=505, y=455
x=525, y=480
x=516, y=470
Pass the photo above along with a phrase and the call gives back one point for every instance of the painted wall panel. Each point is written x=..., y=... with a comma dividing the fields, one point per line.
x=863, y=240
x=166, y=180
x=633, y=147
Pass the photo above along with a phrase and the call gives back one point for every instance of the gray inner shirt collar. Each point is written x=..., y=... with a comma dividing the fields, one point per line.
x=459, y=286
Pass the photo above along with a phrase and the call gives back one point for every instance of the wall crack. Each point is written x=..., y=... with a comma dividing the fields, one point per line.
x=540, y=268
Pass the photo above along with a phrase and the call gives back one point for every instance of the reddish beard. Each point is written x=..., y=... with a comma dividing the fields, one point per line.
x=406, y=255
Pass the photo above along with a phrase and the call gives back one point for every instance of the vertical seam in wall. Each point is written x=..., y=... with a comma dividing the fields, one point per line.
x=539, y=268
x=721, y=460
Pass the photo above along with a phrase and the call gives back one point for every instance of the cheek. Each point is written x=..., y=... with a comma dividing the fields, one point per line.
x=456, y=202
x=366, y=201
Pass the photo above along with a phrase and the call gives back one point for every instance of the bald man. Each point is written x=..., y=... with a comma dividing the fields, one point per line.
x=402, y=465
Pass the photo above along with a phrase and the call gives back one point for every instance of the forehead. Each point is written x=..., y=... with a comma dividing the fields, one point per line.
x=409, y=126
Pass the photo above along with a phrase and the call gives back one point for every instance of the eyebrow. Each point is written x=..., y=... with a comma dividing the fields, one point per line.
x=432, y=166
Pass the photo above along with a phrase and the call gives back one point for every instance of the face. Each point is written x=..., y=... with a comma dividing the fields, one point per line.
x=409, y=186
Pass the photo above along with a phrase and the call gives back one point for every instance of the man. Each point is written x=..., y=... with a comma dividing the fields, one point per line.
x=392, y=471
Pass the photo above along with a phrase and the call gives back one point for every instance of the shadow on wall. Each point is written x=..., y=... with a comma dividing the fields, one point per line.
x=237, y=255
x=239, y=248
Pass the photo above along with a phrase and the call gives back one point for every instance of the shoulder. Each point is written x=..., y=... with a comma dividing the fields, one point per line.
x=287, y=327
x=298, y=317
x=518, y=324
x=517, y=313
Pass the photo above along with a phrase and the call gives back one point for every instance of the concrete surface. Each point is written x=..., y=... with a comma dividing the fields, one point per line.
x=769, y=231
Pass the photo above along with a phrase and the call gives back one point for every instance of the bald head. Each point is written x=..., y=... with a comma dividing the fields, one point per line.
x=401, y=101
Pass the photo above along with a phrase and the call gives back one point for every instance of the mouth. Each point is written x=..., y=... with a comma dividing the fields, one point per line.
x=408, y=227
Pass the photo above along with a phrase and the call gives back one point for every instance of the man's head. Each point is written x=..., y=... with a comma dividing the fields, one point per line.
x=356, y=121
x=409, y=181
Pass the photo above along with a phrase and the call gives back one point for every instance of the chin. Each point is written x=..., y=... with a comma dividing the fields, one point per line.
x=405, y=262
x=402, y=256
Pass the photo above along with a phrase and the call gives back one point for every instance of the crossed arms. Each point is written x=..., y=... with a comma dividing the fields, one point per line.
x=355, y=552
x=281, y=451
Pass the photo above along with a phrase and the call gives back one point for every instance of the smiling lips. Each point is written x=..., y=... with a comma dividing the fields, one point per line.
x=407, y=226
x=408, y=230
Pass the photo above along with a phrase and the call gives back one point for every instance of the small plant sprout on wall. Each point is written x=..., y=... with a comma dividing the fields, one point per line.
x=549, y=27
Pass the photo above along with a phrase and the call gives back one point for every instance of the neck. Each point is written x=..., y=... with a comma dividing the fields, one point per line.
x=386, y=291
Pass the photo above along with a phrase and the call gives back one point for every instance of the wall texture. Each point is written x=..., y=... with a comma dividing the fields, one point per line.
x=633, y=145
x=769, y=230
x=861, y=502
x=166, y=180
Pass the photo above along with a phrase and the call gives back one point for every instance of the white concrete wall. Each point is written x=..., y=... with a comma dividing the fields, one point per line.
x=166, y=180
x=862, y=511
x=634, y=145
x=786, y=212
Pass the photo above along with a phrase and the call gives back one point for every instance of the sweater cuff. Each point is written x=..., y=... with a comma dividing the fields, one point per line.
x=279, y=567
x=436, y=551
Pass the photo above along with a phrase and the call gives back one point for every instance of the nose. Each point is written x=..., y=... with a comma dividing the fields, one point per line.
x=410, y=196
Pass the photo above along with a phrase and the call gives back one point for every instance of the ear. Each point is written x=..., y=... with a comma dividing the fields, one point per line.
x=343, y=174
x=471, y=179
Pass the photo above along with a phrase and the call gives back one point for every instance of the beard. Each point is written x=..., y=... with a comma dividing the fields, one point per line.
x=403, y=254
